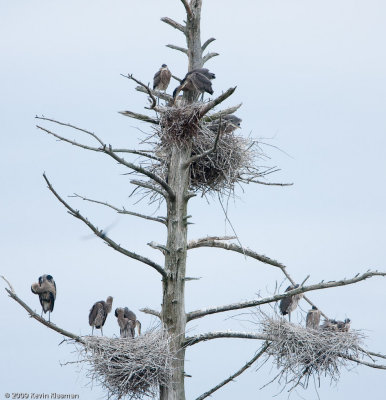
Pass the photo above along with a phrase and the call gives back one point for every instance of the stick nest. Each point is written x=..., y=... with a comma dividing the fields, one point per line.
x=301, y=353
x=233, y=161
x=132, y=368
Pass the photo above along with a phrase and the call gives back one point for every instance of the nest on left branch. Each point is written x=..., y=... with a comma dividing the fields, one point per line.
x=132, y=368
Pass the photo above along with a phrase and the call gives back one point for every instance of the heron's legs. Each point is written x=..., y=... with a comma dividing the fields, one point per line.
x=102, y=331
x=92, y=331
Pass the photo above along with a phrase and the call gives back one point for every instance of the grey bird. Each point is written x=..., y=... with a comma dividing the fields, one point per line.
x=99, y=312
x=162, y=78
x=46, y=289
x=127, y=322
x=344, y=326
x=313, y=318
x=288, y=304
x=229, y=123
x=195, y=81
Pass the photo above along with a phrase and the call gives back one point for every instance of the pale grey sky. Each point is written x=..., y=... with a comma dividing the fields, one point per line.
x=311, y=76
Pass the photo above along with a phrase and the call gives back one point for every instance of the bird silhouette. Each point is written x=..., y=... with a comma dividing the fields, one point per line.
x=127, y=322
x=99, y=312
x=46, y=290
x=196, y=80
x=162, y=78
x=313, y=318
x=288, y=304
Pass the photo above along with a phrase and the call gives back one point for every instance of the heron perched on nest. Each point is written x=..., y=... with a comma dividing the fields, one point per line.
x=229, y=123
x=98, y=313
x=313, y=318
x=198, y=79
x=127, y=322
x=162, y=78
x=288, y=304
x=46, y=289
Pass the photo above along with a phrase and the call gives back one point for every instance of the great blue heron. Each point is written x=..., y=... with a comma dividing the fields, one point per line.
x=127, y=322
x=288, y=304
x=196, y=80
x=162, y=78
x=229, y=123
x=46, y=289
x=98, y=313
x=313, y=318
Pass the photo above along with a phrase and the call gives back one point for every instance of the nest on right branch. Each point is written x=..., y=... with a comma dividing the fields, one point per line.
x=301, y=353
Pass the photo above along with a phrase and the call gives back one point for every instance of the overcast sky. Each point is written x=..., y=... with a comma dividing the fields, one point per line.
x=311, y=76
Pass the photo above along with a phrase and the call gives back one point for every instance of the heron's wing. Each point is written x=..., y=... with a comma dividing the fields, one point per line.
x=156, y=79
x=201, y=83
x=284, y=305
x=52, y=301
x=93, y=313
x=166, y=76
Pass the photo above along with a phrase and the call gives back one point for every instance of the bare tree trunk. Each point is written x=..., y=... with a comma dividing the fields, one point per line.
x=173, y=308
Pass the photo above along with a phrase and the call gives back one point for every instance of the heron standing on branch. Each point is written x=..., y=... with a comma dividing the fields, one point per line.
x=162, y=78
x=98, y=313
x=46, y=289
x=288, y=304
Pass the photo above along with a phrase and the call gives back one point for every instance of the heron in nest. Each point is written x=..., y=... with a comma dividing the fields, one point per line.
x=288, y=304
x=127, y=322
x=313, y=318
x=196, y=80
x=336, y=326
x=229, y=123
x=99, y=312
x=46, y=289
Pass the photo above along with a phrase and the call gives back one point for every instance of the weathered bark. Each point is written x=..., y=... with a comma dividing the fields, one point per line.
x=173, y=313
x=173, y=307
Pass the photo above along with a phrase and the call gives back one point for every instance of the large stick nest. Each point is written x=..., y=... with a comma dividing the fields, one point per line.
x=133, y=368
x=302, y=353
x=233, y=161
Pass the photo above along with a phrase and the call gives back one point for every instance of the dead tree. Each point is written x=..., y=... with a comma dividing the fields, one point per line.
x=186, y=151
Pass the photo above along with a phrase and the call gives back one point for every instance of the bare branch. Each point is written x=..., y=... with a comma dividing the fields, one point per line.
x=174, y=24
x=254, y=303
x=374, y=354
x=265, y=183
x=71, y=126
x=208, y=106
x=141, y=170
x=102, y=235
x=139, y=153
x=236, y=248
x=188, y=9
x=207, y=43
x=190, y=341
x=208, y=56
x=217, y=115
x=73, y=142
x=148, y=90
x=140, y=117
x=149, y=186
x=9, y=284
x=178, y=48
x=237, y=373
x=122, y=210
x=151, y=312
x=163, y=249
x=156, y=93
x=368, y=364
x=38, y=318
